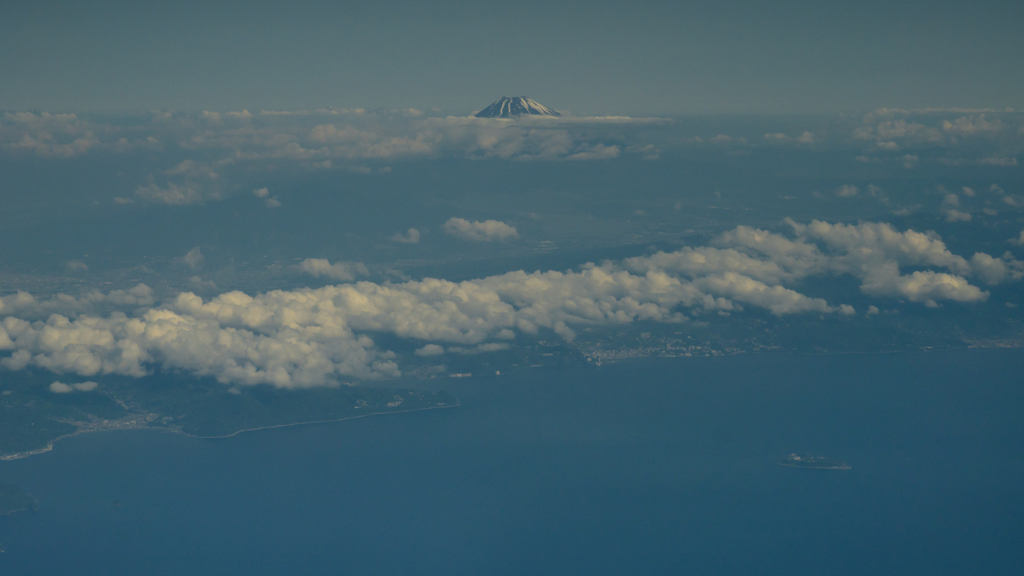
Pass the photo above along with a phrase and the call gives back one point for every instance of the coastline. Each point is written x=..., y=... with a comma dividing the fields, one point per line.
x=981, y=344
x=236, y=433
x=49, y=445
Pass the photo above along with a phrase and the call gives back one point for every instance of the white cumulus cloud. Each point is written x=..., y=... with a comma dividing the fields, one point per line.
x=846, y=191
x=60, y=388
x=486, y=231
x=411, y=236
x=26, y=305
x=193, y=258
x=430, y=350
x=344, y=271
x=312, y=337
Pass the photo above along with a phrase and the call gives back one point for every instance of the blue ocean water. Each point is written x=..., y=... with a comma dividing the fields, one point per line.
x=664, y=466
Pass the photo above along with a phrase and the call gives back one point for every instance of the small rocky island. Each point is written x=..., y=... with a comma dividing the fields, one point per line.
x=14, y=499
x=815, y=462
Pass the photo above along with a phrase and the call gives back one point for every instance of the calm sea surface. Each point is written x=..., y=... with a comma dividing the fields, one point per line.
x=648, y=467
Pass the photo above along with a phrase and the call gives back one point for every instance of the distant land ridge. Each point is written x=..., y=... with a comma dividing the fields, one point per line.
x=515, y=106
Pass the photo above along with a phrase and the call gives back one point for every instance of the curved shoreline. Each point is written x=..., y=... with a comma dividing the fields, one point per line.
x=236, y=433
x=49, y=445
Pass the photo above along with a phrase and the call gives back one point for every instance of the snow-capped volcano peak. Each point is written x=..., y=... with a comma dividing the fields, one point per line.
x=515, y=106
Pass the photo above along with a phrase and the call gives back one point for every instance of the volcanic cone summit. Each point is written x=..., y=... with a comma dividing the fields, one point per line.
x=515, y=106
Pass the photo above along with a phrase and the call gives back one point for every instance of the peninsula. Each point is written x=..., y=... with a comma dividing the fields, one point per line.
x=32, y=417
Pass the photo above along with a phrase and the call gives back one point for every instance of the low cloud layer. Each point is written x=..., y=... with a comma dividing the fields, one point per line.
x=209, y=155
x=28, y=306
x=219, y=145
x=313, y=337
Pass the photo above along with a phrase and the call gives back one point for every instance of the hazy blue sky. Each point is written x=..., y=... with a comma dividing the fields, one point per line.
x=585, y=57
